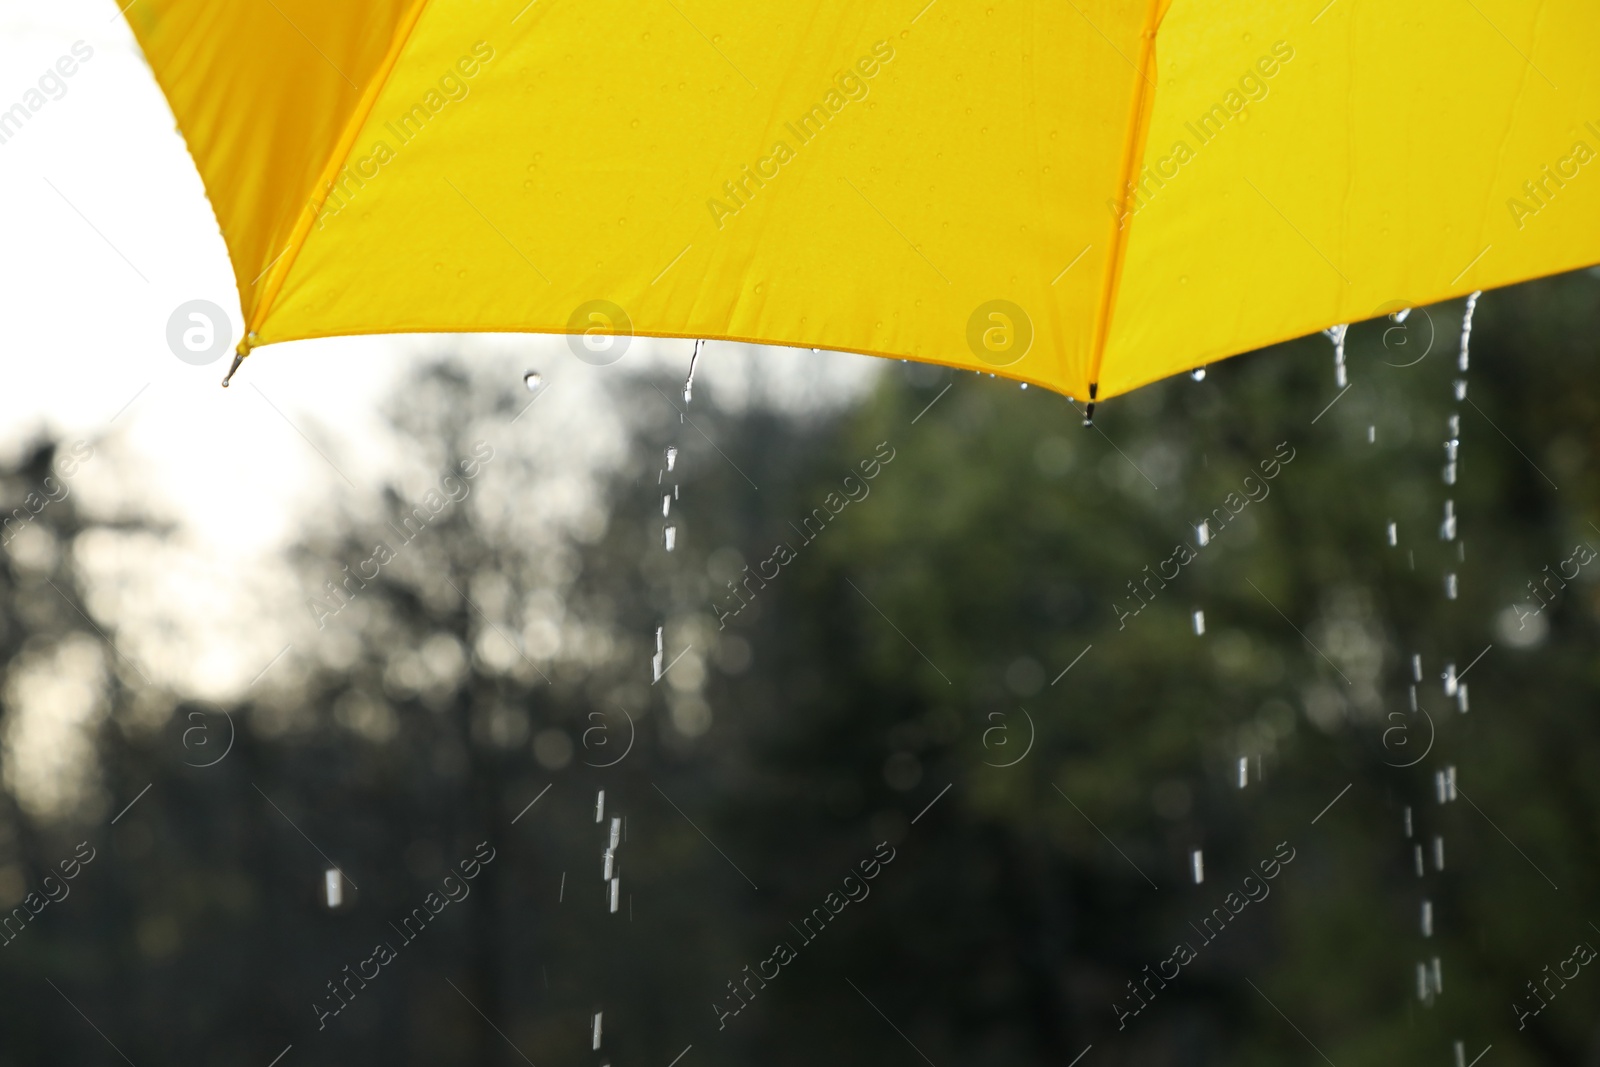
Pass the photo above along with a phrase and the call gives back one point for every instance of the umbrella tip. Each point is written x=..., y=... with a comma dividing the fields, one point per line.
x=238, y=357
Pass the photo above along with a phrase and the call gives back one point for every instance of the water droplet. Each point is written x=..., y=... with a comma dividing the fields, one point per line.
x=1461, y=702
x=1197, y=866
x=1427, y=918
x=688, y=383
x=666, y=504
x=597, y=1014
x=655, y=665
x=672, y=456
x=333, y=887
x=671, y=536
x=1244, y=771
x=1408, y=820
x=533, y=380
x=1448, y=675
x=1416, y=668
x=600, y=805
x=1455, y=425
x=1202, y=534
x=1372, y=435
x=1024, y=385
x=1198, y=374
x=1461, y=388
x=1199, y=622
x=1394, y=534
x=1466, y=336
x=1451, y=586
x=1336, y=334
x=1438, y=853
x=1399, y=316
x=1447, y=528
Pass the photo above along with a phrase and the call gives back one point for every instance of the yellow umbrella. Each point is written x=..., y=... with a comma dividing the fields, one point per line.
x=1088, y=195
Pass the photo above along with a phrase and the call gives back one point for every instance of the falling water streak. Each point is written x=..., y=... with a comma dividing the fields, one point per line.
x=1418, y=856
x=1202, y=534
x=1461, y=700
x=616, y=890
x=1416, y=667
x=1197, y=864
x=333, y=887
x=688, y=383
x=1438, y=852
x=1447, y=527
x=1336, y=335
x=672, y=456
x=670, y=535
x=616, y=832
x=1408, y=821
x=609, y=859
x=1394, y=535
x=1427, y=918
x=1451, y=586
x=597, y=1030
x=1244, y=771
x=1199, y=622
x=1372, y=435
x=666, y=504
x=600, y=806
x=1466, y=330
x=655, y=665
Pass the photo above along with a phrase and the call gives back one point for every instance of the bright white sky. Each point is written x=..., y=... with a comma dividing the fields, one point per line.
x=107, y=231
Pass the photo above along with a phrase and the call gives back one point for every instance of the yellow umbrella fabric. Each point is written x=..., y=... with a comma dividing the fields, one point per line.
x=1086, y=195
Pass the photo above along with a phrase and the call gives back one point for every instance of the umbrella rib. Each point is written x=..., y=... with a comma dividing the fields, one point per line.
x=278, y=271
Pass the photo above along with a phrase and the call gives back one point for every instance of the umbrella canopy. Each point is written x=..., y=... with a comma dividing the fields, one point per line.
x=1087, y=195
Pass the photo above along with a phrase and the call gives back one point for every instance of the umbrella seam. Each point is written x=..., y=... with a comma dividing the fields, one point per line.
x=1132, y=158
x=337, y=160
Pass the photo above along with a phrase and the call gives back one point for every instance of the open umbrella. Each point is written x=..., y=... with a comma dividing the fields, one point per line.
x=1088, y=195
